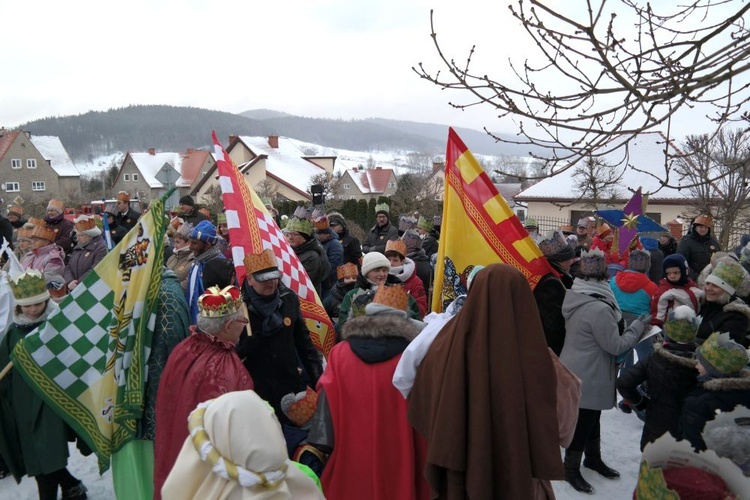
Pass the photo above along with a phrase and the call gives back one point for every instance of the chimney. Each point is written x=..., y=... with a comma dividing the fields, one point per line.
x=273, y=141
x=152, y=151
x=190, y=151
x=232, y=138
x=437, y=165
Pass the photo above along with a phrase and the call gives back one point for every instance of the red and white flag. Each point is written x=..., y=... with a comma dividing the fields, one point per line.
x=251, y=230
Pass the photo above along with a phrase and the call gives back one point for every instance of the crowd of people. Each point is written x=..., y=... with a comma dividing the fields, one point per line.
x=409, y=403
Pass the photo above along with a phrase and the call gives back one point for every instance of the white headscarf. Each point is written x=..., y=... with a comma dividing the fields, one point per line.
x=243, y=429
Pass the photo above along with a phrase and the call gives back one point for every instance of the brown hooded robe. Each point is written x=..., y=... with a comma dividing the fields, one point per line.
x=485, y=396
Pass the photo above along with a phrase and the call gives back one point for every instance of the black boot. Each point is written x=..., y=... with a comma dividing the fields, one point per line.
x=573, y=472
x=594, y=461
x=77, y=492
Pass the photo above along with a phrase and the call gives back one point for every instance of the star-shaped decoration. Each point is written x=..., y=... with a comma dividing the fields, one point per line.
x=630, y=221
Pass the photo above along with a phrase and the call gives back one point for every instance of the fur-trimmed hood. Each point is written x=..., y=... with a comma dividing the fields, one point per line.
x=379, y=326
x=684, y=358
x=24, y=321
x=739, y=383
x=738, y=305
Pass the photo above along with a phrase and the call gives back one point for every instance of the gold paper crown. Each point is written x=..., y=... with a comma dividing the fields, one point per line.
x=394, y=296
x=57, y=204
x=347, y=270
x=16, y=210
x=260, y=261
x=24, y=232
x=43, y=231
x=29, y=288
x=216, y=303
x=84, y=223
x=300, y=408
x=395, y=246
x=36, y=221
x=123, y=196
x=321, y=223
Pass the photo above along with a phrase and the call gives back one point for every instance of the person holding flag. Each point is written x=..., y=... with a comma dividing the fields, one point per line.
x=33, y=438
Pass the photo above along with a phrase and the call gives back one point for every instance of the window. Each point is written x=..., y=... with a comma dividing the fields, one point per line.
x=30, y=163
x=126, y=177
x=38, y=186
x=12, y=187
x=135, y=177
x=391, y=185
x=347, y=186
x=15, y=163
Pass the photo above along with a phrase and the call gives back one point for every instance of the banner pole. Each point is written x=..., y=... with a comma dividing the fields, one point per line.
x=6, y=370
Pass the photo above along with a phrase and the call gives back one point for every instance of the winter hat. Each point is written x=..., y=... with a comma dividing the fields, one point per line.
x=302, y=226
x=57, y=205
x=727, y=274
x=406, y=222
x=531, y=224
x=682, y=324
x=721, y=356
x=29, y=288
x=187, y=200
x=204, y=231
x=16, y=210
x=555, y=247
x=472, y=275
x=336, y=219
x=703, y=220
x=424, y=224
x=412, y=240
x=374, y=260
x=397, y=247
x=382, y=208
x=649, y=243
x=676, y=260
x=584, y=222
x=603, y=230
x=639, y=260
x=593, y=264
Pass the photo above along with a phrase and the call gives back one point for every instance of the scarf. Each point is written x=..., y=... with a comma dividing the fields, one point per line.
x=269, y=309
x=601, y=288
x=404, y=272
x=53, y=220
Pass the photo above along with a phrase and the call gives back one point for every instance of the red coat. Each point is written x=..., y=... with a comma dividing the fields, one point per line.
x=200, y=368
x=376, y=453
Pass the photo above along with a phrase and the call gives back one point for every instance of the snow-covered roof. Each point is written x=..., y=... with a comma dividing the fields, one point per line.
x=371, y=180
x=150, y=164
x=646, y=152
x=52, y=150
x=285, y=162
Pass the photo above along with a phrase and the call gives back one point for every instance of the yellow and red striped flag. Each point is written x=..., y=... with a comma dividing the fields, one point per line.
x=251, y=230
x=479, y=228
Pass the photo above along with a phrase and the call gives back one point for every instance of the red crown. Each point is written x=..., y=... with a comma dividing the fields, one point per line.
x=216, y=303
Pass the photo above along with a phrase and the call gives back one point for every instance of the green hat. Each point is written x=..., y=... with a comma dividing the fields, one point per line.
x=424, y=223
x=295, y=224
x=530, y=223
x=382, y=207
x=221, y=218
x=682, y=324
x=721, y=356
x=727, y=274
x=29, y=288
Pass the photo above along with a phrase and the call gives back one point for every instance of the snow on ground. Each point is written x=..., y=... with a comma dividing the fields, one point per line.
x=621, y=434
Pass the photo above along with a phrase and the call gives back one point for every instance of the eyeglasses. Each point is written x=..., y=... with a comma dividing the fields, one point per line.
x=291, y=235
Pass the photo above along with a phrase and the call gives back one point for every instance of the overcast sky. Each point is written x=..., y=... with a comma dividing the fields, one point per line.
x=320, y=58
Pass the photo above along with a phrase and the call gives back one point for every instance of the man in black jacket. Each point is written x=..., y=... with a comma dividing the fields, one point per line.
x=699, y=245
x=381, y=232
x=278, y=343
x=126, y=216
x=352, y=247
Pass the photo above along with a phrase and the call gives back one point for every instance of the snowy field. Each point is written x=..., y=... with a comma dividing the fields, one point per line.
x=621, y=434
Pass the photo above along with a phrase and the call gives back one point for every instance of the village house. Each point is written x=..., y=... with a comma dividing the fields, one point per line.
x=147, y=176
x=359, y=183
x=36, y=168
x=271, y=165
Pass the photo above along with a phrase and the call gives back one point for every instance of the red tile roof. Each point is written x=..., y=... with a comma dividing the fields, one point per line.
x=373, y=180
x=192, y=162
x=6, y=141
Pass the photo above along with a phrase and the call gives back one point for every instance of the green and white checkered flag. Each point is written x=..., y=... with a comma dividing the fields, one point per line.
x=89, y=360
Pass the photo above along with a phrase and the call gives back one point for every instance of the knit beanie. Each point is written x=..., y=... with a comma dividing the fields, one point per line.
x=676, y=260
x=727, y=274
x=593, y=264
x=721, y=356
x=204, y=231
x=336, y=219
x=374, y=260
x=682, y=324
x=555, y=247
x=639, y=260
x=412, y=240
x=57, y=205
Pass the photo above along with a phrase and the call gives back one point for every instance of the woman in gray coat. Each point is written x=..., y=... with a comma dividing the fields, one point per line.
x=595, y=335
x=89, y=251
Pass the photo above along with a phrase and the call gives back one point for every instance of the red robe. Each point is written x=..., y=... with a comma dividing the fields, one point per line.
x=200, y=368
x=376, y=453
